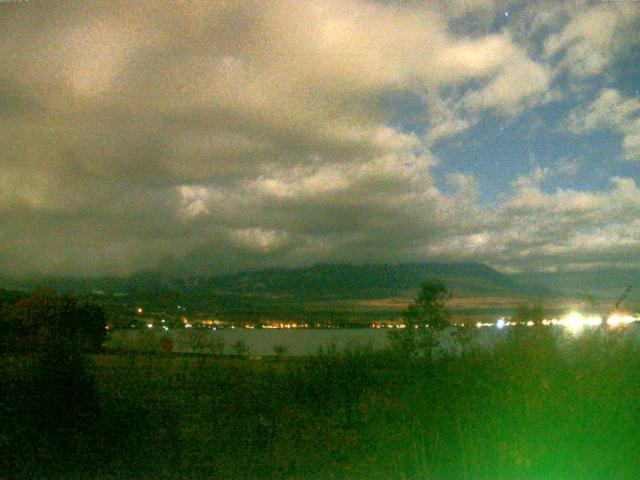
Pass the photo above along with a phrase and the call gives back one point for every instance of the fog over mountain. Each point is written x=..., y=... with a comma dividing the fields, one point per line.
x=216, y=137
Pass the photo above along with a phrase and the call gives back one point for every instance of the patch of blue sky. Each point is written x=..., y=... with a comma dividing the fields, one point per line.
x=497, y=150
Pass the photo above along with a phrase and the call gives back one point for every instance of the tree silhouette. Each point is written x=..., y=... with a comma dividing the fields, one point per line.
x=58, y=394
x=423, y=318
x=44, y=321
x=429, y=309
x=522, y=313
x=537, y=312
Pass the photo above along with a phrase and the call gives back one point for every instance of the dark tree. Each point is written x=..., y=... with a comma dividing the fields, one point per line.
x=44, y=321
x=56, y=391
x=423, y=318
x=429, y=307
x=537, y=312
x=522, y=313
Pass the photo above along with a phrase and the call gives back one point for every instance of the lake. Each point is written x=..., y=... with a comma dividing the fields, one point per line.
x=261, y=342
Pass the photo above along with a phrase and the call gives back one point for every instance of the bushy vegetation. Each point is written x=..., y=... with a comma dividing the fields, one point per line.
x=45, y=322
x=49, y=400
x=523, y=410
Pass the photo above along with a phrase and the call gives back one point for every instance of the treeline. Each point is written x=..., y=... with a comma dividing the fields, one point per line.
x=44, y=321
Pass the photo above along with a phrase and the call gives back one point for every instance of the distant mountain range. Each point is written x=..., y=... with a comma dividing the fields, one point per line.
x=332, y=292
x=341, y=281
x=325, y=281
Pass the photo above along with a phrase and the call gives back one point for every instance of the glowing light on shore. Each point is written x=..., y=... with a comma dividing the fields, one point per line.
x=575, y=321
x=500, y=323
x=617, y=320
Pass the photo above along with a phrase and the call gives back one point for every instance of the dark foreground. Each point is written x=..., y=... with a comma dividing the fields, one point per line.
x=526, y=411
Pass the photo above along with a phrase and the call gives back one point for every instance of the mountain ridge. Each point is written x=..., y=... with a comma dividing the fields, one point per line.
x=324, y=280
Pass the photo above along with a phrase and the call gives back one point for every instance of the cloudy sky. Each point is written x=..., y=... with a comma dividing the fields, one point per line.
x=224, y=135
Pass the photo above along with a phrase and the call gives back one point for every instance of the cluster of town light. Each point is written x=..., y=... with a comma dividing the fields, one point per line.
x=574, y=321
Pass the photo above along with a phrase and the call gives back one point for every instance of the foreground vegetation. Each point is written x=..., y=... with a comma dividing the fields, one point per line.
x=526, y=410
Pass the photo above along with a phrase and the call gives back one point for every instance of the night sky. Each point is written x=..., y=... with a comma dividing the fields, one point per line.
x=214, y=136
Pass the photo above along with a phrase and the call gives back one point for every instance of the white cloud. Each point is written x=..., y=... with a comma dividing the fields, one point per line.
x=610, y=110
x=534, y=230
x=588, y=42
x=541, y=228
x=519, y=84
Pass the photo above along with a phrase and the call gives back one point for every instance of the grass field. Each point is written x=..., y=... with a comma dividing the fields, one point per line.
x=524, y=411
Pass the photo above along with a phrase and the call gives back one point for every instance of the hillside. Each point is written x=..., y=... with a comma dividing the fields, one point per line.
x=368, y=281
x=325, y=281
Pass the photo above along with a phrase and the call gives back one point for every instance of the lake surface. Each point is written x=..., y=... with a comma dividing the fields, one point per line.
x=259, y=341
x=262, y=342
